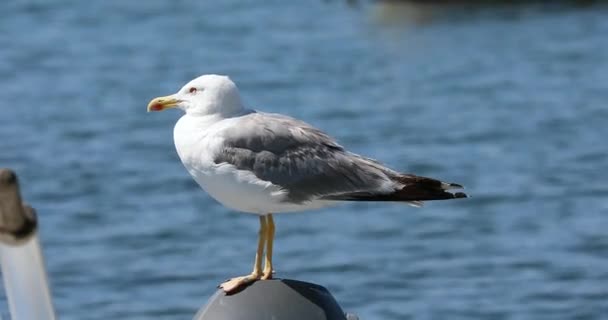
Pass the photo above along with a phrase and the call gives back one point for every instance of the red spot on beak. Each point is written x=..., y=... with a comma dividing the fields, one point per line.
x=156, y=107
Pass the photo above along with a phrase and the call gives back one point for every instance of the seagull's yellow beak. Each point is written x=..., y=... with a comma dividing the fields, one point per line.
x=162, y=103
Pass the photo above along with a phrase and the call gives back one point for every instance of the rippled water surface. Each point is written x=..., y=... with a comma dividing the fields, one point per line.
x=510, y=101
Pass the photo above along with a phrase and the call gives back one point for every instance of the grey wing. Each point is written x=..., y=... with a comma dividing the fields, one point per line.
x=302, y=160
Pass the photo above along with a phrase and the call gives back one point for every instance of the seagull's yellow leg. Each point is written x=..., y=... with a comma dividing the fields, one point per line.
x=269, y=241
x=235, y=283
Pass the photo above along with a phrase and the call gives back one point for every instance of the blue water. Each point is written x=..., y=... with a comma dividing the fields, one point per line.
x=510, y=101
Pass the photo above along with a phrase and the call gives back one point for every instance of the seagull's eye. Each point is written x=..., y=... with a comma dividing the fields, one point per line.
x=192, y=90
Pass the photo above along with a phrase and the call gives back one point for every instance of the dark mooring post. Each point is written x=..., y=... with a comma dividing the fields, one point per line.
x=23, y=271
x=281, y=299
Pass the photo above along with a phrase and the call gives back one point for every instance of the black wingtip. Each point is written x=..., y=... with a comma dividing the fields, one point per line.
x=460, y=195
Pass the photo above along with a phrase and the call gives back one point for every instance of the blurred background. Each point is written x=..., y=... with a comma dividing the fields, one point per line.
x=507, y=98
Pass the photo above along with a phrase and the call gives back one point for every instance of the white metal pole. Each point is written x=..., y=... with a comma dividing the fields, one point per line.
x=25, y=281
x=23, y=271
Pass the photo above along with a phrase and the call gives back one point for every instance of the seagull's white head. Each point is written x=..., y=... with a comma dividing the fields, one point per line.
x=206, y=95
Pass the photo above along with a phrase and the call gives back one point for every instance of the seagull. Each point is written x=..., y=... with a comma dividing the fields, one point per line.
x=266, y=163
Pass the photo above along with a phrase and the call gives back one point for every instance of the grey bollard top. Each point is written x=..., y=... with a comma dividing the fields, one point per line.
x=282, y=299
